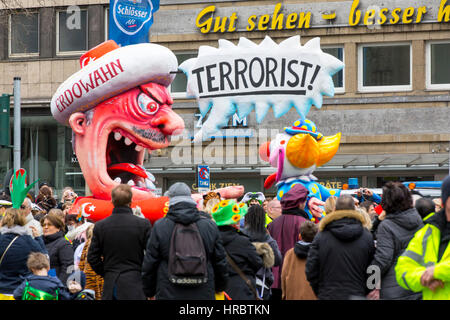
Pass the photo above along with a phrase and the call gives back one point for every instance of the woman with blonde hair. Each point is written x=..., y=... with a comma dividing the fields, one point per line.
x=330, y=204
x=15, y=246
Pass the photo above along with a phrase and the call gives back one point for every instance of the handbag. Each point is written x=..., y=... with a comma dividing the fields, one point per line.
x=243, y=276
x=9, y=245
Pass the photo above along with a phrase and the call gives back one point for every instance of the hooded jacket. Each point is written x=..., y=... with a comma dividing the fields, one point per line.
x=155, y=267
x=393, y=235
x=294, y=284
x=14, y=268
x=44, y=283
x=243, y=252
x=338, y=258
x=271, y=258
x=285, y=230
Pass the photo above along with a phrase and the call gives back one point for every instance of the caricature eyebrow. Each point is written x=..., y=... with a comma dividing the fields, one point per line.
x=154, y=98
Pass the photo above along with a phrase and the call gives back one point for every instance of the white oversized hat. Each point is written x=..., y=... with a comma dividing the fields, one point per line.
x=108, y=70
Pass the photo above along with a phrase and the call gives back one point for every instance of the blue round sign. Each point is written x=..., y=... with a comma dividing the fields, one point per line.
x=131, y=15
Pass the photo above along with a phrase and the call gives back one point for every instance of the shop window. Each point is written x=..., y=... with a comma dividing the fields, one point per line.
x=438, y=65
x=384, y=67
x=24, y=34
x=338, y=78
x=178, y=86
x=71, y=32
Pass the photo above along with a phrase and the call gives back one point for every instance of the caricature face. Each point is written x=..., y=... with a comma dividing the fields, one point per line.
x=110, y=140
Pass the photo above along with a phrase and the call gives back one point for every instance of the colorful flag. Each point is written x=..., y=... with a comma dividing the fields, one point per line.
x=130, y=20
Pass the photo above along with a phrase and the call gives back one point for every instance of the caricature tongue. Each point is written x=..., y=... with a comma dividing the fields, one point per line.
x=135, y=173
x=128, y=167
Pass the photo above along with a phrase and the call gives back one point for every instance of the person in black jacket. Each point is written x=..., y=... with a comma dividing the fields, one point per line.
x=155, y=275
x=256, y=230
x=59, y=248
x=336, y=266
x=393, y=235
x=117, y=248
x=242, y=255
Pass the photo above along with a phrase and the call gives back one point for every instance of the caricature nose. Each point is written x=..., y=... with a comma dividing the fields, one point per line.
x=264, y=151
x=169, y=123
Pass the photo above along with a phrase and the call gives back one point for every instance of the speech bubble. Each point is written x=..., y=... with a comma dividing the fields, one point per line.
x=248, y=76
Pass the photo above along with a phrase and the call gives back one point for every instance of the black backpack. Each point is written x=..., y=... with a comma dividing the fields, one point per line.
x=187, y=256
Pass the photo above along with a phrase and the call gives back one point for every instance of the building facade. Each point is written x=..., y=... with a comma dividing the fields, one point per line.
x=391, y=101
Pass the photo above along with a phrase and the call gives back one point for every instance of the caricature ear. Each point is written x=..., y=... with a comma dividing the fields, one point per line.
x=77, y=122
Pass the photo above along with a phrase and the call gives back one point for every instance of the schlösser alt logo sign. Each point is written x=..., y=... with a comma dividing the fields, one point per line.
x=131, y=15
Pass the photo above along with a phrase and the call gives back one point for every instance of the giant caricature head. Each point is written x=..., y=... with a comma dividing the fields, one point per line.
x=118, y=105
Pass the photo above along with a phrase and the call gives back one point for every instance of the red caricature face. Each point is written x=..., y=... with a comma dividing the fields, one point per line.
x=110, y=140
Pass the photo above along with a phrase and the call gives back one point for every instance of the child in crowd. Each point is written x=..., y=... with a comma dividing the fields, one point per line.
x=39, y=285
x=76, y=283
x=294, y=284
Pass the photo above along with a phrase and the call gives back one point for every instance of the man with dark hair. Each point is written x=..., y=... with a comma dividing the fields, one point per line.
x=121, y=196
x=425, y=207
x=294, y=284
x=340, y=254
x=117, y=249
x=369, y=207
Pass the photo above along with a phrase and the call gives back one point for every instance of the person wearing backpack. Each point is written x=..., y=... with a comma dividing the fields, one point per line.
x=39, y=285
x=243, y=259
x=117, y=248
x=184, y=235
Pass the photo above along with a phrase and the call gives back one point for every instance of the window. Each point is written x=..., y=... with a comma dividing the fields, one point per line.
x=338, y=78
x=178, y=86
x=384, y=67
x=106, y=24
x=438, y=65
x=71, y=32
x=24, y=34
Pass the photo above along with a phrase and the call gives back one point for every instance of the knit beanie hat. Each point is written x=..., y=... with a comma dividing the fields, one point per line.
x=179, y=192
x=445, y=190
x=228, y=212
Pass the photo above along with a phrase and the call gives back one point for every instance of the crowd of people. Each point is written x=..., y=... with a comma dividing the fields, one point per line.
x=392, y=246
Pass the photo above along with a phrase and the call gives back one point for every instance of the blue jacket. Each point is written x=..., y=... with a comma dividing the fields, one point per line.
x=374, y=198
x=13, y=268
x=45, y=283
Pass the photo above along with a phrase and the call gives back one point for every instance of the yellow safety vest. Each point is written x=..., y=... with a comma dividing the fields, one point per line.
x=421, y=253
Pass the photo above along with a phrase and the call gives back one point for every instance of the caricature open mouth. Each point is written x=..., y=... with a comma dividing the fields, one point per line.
x=125, y=153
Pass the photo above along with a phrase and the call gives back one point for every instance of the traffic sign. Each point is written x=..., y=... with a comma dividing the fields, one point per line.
x=203, y=178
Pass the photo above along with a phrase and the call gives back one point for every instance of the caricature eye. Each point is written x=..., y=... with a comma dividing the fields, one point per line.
x=147, y=104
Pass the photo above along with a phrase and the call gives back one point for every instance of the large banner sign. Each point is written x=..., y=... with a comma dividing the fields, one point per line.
x=237, y=79
x=130, y=20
